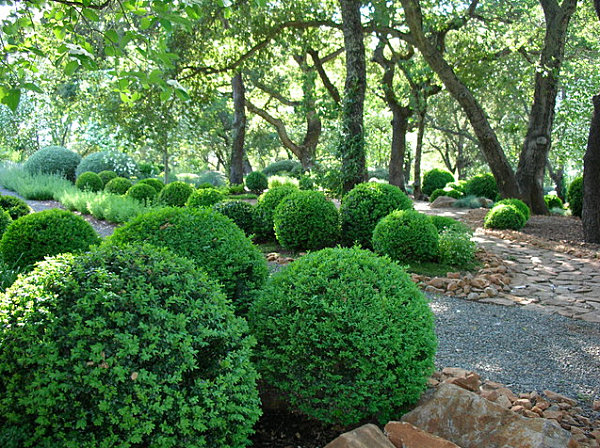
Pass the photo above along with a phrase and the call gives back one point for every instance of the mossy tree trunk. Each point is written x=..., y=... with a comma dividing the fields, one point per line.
x=236, y=167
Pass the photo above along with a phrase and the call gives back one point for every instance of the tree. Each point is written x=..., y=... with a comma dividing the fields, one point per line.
x=236, y=168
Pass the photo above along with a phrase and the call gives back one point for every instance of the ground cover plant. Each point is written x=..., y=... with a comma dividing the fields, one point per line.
x=33, y=186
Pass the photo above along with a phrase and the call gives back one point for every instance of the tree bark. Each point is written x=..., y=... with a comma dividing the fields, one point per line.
x=558, y=177
x=532, y=160
x=236, y=167
x=417, y=192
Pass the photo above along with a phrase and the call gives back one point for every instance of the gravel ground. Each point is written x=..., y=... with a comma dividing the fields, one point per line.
x=526, y=350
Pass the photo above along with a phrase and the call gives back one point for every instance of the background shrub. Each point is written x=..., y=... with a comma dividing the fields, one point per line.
x=504, y=216
x=305, y=182
x=51, y=232
x=265, y=209
x=89, y=181
x=434, y=179
x=482, y=186
x=445, y=192
x=54, y=160
x=281, y=167
x=107, y=176
x=442, y=223
x=5, y=221
x=278, y=181
x=118, y=185
x=15, y=207
x=364, y=206
x=237, y=189
x=521, y=206
x=157, y=184
x=472, y=202
x=122, y=164
x=379, y=173
x=406, y=235
x=240, y=212
x=256, y=182
x=175, y=194
x=459, y=186
x=553, y=201
x=150, y=355
x=456, y=247
x=344, y=335
x=306, y=220
x=214, y=178
x=142, y=192
x=575, y=196
x=204, y=197
x=209, y=239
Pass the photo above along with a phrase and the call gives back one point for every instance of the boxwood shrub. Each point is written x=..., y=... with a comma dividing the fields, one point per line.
x=122, y=164
x=204, y=197
x=157, y=184
x=553, y=201
x=107, y=176
x=504, y=216
x=575, y=196
x=344, y=335
x=209, y=239
x=456, y=247
x=364, y=206
x=16, y=207
x=482, y=186
x=306, y=220
x=175, y=194
x=128, y=347
x=5, y=221
x=521, y=206
x=89, y=181
x=142, y=192
x=435, y=179
x=442, y=223
x=54, y=160
x=265, y=209
x=445, y=192
x=282, y=167
x=118, y=185
x=257, y=182
x=240, y=212
x=50, y=232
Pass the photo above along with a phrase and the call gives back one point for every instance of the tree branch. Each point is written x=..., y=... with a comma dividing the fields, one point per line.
x=279, y=126
x=333, y=91
x=279, y=97
x=76, y=3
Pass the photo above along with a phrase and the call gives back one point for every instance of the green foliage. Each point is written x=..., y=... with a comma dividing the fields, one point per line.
x=363, y=207
x=504, y=216
x=175, y=194
x=147, y=169
x=445, y=192
x=379, y=173
x=204, y=197
x=406, y=235
x=236, y=189
x=265, y=209
x=256, y=182
x=459, y=186
x=8, y=275
x=33, y=186
x=123, y=347
x=278, y=181
x=208, y=238
x=434, y=179
x=107, y=176
x=330, y=179
x=157, y=184
x=281, y=167
x=122, y=164
x=468, y=202
x=214, y=178
x=15, y=207
x=306, y=220
x=5, y=221
x=118, y=185
x=240, y=212
x=521, y=206
x=456, y=247
x=142, y=192
x=553, y=202
x=89, y=181
x=344, y=335
x=575, y=196
x=305, y=182
x=442, y=223
x=51, y=232
x=53, y=160
x=482, y=186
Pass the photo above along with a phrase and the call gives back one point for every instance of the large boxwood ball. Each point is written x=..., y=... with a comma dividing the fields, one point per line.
x=504, y=216
x=118, y=185
x=240, y=212
x=575, y=196
x=89, y=181
x=107, y=176
x=344, y=335
x=257, y=182
x=553, y=202
x=265, y=209
x=482, y=186
x=143, y=193
x=53, y=160
x=406, y=235
x=208, y=238
x=435, y=179
x=204, y=197
x=364, y=206
x=157, y=184
x=175, y=194
x=122, y=164
x=50, y=232
x=123, y=347
x=15, y=207
x=521, y=206
x=306, y=220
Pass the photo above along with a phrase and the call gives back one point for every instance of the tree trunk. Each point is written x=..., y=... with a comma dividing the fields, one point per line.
x=558, y=177
x=236, y=167
x=399, y=129
x=590, y=217
x=352, y=144
x=532, y=161
x=417, y=193
x=167, y=170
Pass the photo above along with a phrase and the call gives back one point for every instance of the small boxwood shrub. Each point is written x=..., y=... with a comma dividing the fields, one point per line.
x=445, y=192
x=504, y=216
x=128, y=347
x=107, y=176
x=344, y=335
x=175, y=194
x=118, y=185
x=364, y=206
x=265, y=209
x=306, y=220
x=434, y=179
x=442, y=223
x=5, y=221
x=482, y=186
x=575, y=196
x=240, y=212
x=15, y=206
x=458, y=186
x=51, y=232
x=456, y=247
x=157, y=184
x=142, y=192
x=89, y=181
x=54, y=160
x=122, y=164
x=209, y=239
x=237, y=189
x=256, y=182
x=204, y=197
x=553, y=201
x=281, y=167
x=521, y=206
x=406, y=235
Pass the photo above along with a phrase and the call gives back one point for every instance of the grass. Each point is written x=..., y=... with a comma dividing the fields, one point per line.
x=242, y=196
x=40, y=187
x=431, y=269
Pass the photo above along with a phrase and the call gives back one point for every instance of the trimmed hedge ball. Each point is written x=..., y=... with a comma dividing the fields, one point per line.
x=107, y=176
x=406, y=235
x=5, y=221
x=553, y=201
x=89, y=181
x=257, y=182
x=142, y=192
x=240, y=212
x=175, y=194
x=128, y=347
x=306, y=220
x=50, y=232
x=344, y=335
x=16, y=207
x=504, y=216
x=435, y=179
x=482, y=186
x=456, y=247
x=157, y=184
x=122, y=164
x=209, y=239
x=363, y=207
x=204, y=197
x=118, y=185
x=53, y=160
x=575, y=196
x=521, y=206
x=445, y=192
x=265, y=209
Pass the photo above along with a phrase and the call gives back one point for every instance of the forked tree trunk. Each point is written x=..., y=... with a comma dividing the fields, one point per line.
x=236, y=167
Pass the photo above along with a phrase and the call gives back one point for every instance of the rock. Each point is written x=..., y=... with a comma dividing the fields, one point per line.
x=437, y=282
x=523, y=402
x=367, y=436
x=491, y=291
x=455, y=372
x=454, y=275
x=596, y=405
x=471, y=421
x=559, y=398
x=553, y=415
x=471, y=382
x=485, y=202
x=405, y=435
x=473, y=296
x=503, y=402
x=433, y=289
x=442, y=202
x=479, y=283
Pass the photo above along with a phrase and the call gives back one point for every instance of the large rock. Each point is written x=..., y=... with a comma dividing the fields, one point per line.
x=443, y=202
x=405, y=435
x=367, y=436
x=471, y=421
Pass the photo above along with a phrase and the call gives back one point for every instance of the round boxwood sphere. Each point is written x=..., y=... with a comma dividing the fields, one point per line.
x=142, y=192
x=157, y=184
x=306, y=220
x=344, y=335
x=5, y=221
x=451, y=193
x=209, y=239
x=257, y=182
x=53, y=160
x=482, y=186
x=175, y=194
x=364, y=206
x=89, y=181
x=265, y=209
x=240, y=212
x=118, y=185
x=434, y=179
x=521, y=206
x=406, y=235
x=553, y=202
x=128, y=347
x=204, y=197
x=504, y=216
x=15, y=207
x=51, y=232
x=122, y=164
x=107, y=176
x=575, y=196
